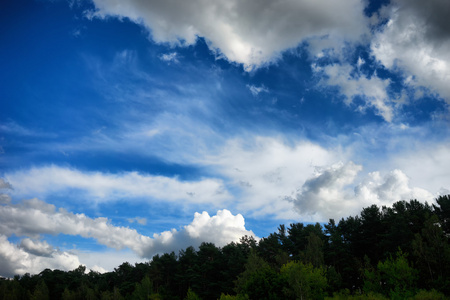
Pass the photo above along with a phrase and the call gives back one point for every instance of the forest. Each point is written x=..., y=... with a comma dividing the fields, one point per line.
x=397, y=252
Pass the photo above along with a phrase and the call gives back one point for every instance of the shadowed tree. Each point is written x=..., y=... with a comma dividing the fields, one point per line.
x=432, y=250
x=259, y=280
x=372, y=228
x=40, y=292
x=442, y=210
x=394, y=277
x=314, y=250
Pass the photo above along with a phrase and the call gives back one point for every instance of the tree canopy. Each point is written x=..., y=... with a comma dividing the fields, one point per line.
x=396, y=252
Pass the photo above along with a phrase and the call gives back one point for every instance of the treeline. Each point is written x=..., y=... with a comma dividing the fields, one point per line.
x=398, y=252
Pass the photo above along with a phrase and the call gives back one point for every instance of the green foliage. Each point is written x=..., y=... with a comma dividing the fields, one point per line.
x=191, y=295
x=69, y=295
x=442, y=210
x=304, y=281
x=394, y=278
x=143, y=290
x=358, y=256
x=432, y=249
x=40, y=292
x=429, y=295
x=12, y=290
x=233, y=297
x=346, y=295
x=114, y=295
x=314, y=250
x=259, y=280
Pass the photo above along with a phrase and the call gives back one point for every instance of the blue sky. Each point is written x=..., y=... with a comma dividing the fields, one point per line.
x=144, y=127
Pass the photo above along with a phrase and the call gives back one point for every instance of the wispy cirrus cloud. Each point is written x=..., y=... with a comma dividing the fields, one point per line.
x=110, y=187
x=256, y=90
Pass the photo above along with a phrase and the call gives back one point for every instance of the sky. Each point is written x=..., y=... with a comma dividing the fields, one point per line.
x=132, y=128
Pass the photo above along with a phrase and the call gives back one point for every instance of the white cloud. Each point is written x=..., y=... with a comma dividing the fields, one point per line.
x=14, y=128
x=33, y=218
x=107, y=260
x=390, y=188
x=264, y=171
x=371, y=90
x=38, y=248
x=109, y=187
x=142, y=221
x=360, y=62
x=5, y=199
x=170, y=57
x=17, y=260
x=428, y=165
x=333, y=193
x=327, y=194
x=255, y=90
x=248, y=32
x=4, y=184
x=416, y=39
x=220, y=229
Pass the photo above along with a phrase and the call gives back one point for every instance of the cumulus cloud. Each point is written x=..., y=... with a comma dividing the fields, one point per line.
x=332, y=192
x=4, y=198
x=106, y=186
x=428, y=165
x=247, y=32
x=38, y=248
x=266, y=170
x=33, y=218
x=392, y=187
x=28, y=258
x=416, y=39
x=5, y=185
x=220, y=229
x=326, y=194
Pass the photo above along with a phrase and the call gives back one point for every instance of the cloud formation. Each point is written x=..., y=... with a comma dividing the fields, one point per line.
x=353, y=84
x=32, y=257
x=325, y=193
x=393, y=186
x=333, y=193
x=33, y=218
x=170, y=57
x=255, y=90
x=416, y=39
x=428, y=165
x=105, y=186
x=5, y=185
x=251, y=33
x=265, y=170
